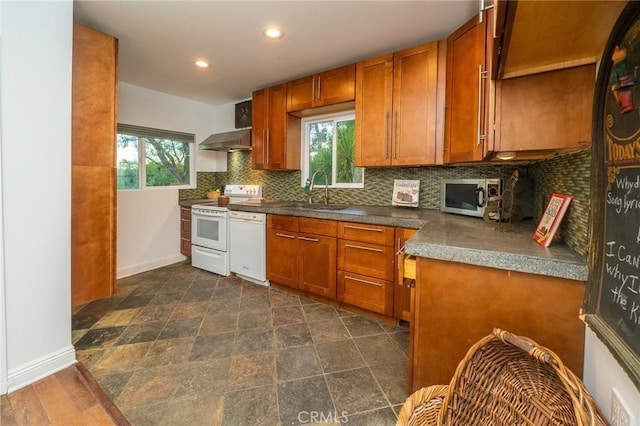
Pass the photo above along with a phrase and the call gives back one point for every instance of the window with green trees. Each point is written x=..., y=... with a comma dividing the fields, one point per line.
x=329, y=146
x=154, y=158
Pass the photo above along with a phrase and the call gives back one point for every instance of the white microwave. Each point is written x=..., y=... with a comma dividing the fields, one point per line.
x=468, y=196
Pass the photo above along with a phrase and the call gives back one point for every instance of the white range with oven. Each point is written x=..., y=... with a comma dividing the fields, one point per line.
x=210, y=229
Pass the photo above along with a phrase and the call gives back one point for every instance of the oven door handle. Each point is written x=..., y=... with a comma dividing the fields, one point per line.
x=207, y=215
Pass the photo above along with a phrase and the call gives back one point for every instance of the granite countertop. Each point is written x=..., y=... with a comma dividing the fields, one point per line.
x=452, y=237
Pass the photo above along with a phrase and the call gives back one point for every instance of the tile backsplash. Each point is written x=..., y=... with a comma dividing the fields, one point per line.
x=569, y=174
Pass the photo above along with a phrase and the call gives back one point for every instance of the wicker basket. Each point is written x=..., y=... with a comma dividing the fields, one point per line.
x=505, y=380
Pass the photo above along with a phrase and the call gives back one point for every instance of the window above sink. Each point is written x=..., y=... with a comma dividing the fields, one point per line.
x=329, y=146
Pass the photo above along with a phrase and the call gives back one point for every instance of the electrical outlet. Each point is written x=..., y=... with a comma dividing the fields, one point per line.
x=620, y=413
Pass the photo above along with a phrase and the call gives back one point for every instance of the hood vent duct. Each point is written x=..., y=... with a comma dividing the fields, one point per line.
x=228, y=141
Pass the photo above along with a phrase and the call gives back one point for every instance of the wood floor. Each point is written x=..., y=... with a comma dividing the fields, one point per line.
x=69, y=397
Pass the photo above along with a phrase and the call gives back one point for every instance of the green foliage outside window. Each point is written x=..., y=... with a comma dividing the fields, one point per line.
x=167, y=162
x=321, y=137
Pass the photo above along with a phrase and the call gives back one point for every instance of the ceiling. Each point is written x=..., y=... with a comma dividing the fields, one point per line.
x=160, y=40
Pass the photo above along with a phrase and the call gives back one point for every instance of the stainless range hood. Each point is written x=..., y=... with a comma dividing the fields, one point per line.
x=228, y=141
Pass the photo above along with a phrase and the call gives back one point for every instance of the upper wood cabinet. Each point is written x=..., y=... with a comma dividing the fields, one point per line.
x=546, y=111
x=397, y=108
x=540, y=36
x=326, y=88
x=275, y=134
x=470, y=92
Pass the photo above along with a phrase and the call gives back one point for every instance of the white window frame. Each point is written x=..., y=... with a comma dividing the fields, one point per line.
x=140, y=132
x=304, y=160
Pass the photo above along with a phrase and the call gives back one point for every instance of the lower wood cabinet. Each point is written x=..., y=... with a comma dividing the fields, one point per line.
x=366, y=292
x=457, y=304
x=366, y=260
x=282, y=250
x=353, y=263
x=185, y=231
x=317, y=264
x=301, y=253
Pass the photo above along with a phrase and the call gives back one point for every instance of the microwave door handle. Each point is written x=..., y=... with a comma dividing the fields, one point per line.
x=481, y=197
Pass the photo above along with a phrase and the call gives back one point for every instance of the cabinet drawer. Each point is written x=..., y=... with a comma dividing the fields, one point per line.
x=286, y=223
x=368, y=233
x=185, y=229
x=325, y=227
x=368, y=259
x=185, y=213
x=369, y=293
x=185, y=247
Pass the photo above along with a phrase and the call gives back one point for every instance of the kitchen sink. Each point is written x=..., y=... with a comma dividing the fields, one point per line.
x=315, y=206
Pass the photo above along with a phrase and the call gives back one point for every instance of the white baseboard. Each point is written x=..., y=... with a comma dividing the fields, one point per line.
x=40, y=368
x=148, y=265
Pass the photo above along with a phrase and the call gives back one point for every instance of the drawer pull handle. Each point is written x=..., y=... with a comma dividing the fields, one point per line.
x=363, y=248
x=362, y=228
x=315, y=240
x=285, y=236
x=363, y=281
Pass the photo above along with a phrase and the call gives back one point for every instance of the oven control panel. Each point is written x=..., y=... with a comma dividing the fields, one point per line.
x=243, y=190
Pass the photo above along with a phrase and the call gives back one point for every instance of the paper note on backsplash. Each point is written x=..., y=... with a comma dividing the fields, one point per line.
x=405, y=193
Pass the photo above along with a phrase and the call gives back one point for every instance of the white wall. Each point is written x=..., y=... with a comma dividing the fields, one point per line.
x=602, y=373
x=149, y=220
x=35, y=86
x=225, y=117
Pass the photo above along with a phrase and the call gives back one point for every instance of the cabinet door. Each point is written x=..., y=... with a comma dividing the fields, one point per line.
x=326, y=88
x=468, y=99
x=374, y=89
x=546, y=104
x=415, y=81
x=301, y=93
x=317, y=264
x=276, y=129
x=282, y=257
x=259, y=122
x=336, y=86
x=282, y=146
x=93, y=159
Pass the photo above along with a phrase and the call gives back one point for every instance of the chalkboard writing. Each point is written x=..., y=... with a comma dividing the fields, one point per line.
x=612, y=298
x=620, y=293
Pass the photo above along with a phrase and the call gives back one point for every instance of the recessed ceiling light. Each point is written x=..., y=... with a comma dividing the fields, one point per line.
x=272, y=32
x=200, y=63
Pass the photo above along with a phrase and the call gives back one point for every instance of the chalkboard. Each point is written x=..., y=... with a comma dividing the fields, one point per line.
x=612, y=299
x=619, y=303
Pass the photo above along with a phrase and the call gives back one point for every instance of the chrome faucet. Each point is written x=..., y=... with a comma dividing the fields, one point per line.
x=325, y=198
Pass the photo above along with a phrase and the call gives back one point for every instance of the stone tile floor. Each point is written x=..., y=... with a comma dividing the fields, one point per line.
x=178, y=345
